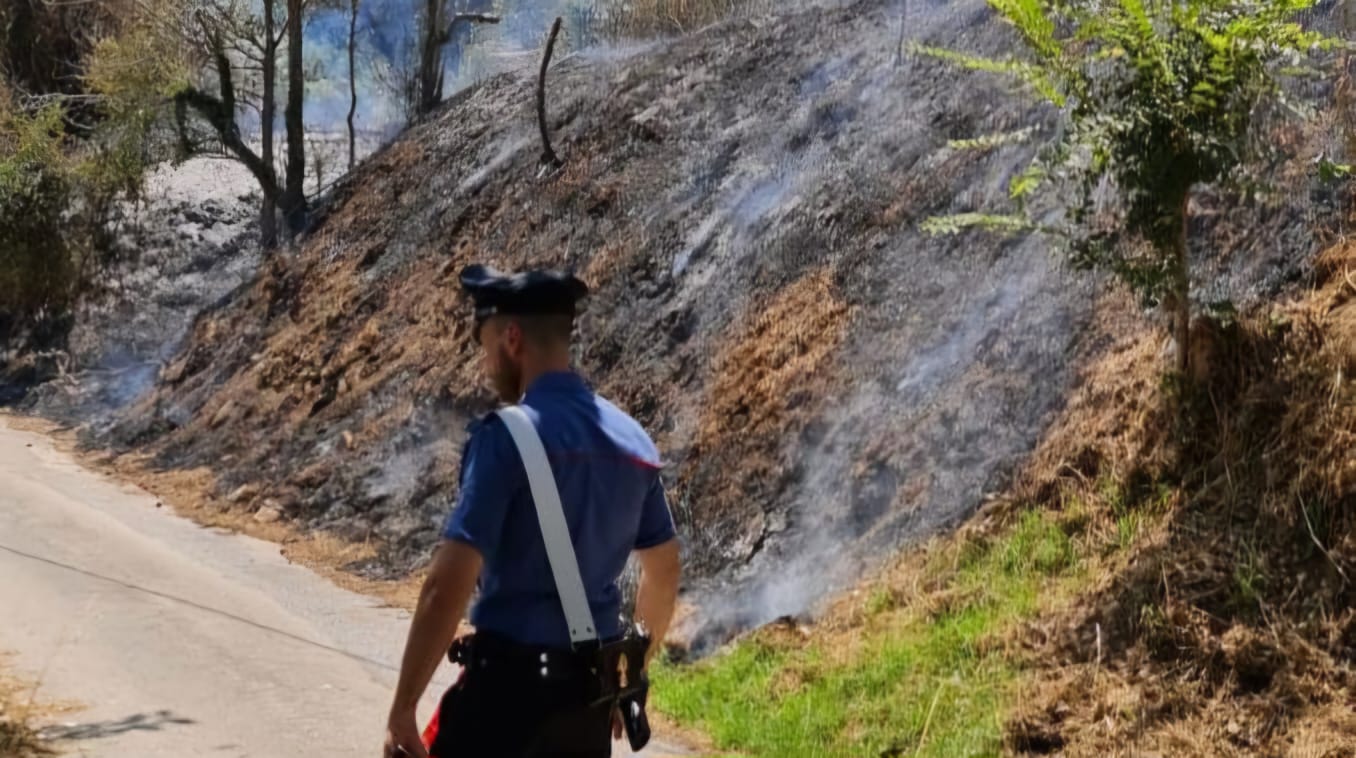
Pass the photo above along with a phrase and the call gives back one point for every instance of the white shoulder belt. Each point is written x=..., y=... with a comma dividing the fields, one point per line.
x=555, y=532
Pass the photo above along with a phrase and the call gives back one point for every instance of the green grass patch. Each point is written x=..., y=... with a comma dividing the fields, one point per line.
x=1128, y=527
x=914, y=682
x=1250, y=580
x=880, y=601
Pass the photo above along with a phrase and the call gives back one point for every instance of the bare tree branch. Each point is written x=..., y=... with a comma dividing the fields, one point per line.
x=548, y=155
x=352, y=81
x=29, y=101
x=466, y=18
x=219, y=112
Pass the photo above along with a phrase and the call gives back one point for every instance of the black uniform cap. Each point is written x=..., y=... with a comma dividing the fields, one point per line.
x=528, y=293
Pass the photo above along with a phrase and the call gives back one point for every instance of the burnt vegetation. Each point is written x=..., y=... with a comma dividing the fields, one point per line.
x=1163, y=552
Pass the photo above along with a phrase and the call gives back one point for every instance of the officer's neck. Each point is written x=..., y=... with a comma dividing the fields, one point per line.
x=537, y=365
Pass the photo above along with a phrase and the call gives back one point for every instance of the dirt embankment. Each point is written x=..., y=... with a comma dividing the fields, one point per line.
x=823, y=380
x=1169, y=574
x=1228, y=628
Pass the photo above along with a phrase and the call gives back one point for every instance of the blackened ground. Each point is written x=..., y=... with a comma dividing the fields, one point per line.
x=184, y=248
x=825, y=382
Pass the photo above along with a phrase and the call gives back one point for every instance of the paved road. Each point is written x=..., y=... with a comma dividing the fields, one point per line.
x=179, y=640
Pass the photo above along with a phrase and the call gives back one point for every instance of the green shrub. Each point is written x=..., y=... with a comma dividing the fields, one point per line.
x=1156, y=98
x=58, y=196
x=36, y=269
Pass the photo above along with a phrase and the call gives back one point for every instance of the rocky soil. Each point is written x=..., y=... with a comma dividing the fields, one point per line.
x=824, y=381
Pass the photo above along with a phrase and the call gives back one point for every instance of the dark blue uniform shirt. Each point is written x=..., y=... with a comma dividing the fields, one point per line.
x=607, y=470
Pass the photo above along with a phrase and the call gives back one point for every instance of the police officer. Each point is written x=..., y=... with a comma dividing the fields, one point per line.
x=509, y=701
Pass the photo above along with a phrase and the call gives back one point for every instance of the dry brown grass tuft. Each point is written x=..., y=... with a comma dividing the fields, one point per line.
x=768, y=382
x=638, y=19
x=758, y=374
x=19, y=736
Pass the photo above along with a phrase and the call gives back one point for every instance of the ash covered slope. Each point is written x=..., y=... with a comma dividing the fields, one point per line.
x=824, y=380
x=188, y=243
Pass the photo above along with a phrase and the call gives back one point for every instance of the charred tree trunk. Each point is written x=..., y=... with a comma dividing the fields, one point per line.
x=268, y=116
x=294, y=193
x=457, y=35
x=899, y=44
x=548, y=155
x=219, y=112
x=352, y=82
x=431, y=57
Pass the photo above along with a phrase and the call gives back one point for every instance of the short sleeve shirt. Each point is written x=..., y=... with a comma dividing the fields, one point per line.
x=607, y=470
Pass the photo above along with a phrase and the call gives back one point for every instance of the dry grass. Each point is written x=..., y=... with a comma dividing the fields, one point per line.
x=639, y=19
x=759, y=374
x=768, y=382
x=19, y=716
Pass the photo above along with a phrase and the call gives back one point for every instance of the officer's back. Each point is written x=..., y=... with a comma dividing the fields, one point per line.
x=607, y=470
x=532, y=684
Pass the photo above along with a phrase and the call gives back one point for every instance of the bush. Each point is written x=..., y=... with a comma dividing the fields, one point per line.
x=36, y=269
x=45, y=46
x=1156, y=99
x=59, y=195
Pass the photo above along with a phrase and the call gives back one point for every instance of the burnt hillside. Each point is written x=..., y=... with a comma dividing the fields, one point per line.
x=824, y=380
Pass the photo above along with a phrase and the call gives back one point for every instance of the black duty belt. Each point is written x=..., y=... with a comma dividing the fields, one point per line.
x=490, y=652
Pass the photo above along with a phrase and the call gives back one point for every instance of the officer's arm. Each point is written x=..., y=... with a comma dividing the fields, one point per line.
x=442, y=601
x=660, y=573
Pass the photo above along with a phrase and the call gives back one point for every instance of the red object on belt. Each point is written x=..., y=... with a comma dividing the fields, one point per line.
x=430, y=734
x=431, y=731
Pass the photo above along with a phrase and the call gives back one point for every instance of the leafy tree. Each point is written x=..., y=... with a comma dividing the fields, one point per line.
x=1158, y=97
x=35, y=191
x=45, y=47
x=226, y=55
x=131, y=84
x=59, y=195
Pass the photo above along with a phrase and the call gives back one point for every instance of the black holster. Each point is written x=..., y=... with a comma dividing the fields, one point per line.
x=619, y=673
x=632, y=708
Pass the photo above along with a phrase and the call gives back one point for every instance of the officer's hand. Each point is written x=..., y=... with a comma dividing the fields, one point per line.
x=402, y=738
x=617, y=726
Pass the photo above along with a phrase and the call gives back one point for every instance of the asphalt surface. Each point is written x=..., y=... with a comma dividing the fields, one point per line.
x=176, y=640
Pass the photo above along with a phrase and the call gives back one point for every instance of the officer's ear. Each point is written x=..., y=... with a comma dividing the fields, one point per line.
x=511, y=339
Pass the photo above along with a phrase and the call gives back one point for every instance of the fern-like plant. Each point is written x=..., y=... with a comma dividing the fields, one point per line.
x=1157, y=97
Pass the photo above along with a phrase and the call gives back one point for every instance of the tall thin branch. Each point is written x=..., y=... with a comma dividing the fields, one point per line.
x=548, y=155
x=899, y=44
x=352, y=83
